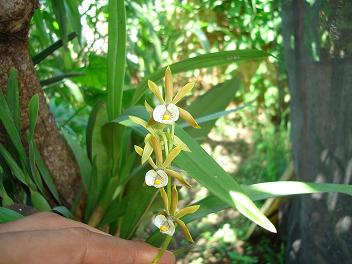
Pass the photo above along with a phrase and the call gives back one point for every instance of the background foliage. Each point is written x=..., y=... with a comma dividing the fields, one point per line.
x=251, y=144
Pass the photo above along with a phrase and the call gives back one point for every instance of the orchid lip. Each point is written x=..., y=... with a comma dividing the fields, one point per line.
x=166, y=114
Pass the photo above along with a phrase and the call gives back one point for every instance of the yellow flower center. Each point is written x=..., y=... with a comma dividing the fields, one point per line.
x=164, y=228
x=157, y=182
x=166, y=117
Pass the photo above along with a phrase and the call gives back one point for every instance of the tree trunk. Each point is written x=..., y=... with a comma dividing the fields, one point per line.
x=318, y=56
x=15, y=19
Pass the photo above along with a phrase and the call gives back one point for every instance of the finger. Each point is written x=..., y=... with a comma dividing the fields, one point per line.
x=123, y=251
x=74, y=246
x=41, y=221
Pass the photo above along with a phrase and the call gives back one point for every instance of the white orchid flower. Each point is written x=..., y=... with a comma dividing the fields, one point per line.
x=156, y=178
x=168, y=112
x=165, y=225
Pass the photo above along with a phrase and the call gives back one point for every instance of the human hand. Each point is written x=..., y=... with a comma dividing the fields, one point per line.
x=50, y=238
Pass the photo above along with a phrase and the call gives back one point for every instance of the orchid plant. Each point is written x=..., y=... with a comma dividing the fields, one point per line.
x=166, y=146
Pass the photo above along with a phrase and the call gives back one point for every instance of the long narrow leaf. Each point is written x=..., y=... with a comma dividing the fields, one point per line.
x=256, y=192
x=75, y=16
x=51, y=49
x=10, y=127
x=201, y=61
x=12, y=97
x=45, y=174
x=16, y=170
x=59, y=78
x=58, y=7
x=116, y=56
x=82, y=159
x=207, y=172
x=216, y=115
x=33, y=114
x=216, y=99
x=39, y=202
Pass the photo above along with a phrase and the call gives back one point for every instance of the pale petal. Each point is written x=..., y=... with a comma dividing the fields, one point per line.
x=177, y=176
x=155, y=142
x=166, y=114
x=148, y=107
x=188, y=118
x=159, y=112
x=184, y=230
x=182, y=92
x=162, y=176
x=159, y=220
x=171, y=156
x=174, y=111
x=179, y=143
x=174, y=199
x=155, y=89
x=147, y=151
x=171, y=230
x=150, y=177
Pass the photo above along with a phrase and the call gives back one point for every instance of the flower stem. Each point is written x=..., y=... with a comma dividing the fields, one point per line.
x=167, y=148
x=162, y=250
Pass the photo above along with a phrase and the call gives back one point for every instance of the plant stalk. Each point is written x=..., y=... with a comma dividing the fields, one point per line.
x=162, y=249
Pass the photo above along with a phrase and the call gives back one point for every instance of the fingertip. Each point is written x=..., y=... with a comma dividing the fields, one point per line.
x=168, y=258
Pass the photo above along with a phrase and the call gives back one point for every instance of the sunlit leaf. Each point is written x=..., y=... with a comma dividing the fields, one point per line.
x=201, y=61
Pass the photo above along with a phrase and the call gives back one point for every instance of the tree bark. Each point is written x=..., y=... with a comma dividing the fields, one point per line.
x=15, y=19
x=318, y=56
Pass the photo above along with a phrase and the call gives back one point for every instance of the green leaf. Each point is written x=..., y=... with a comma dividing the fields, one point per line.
x=256, y=192
x=39, y=202
x=139, y=200
x=63, y=211
x=75, y=16
x=59, y=78
x=116, y=56
x=82, y=159
x=215, y=100
x=95, y=72
x=266, y=190
x=33, y=168
x=201, y=61
x=217, y=115
x=6, y=199
x=58, y=7
x=97, y=142
x=116, y=209
x=33, y=114
x=12, y=98
x=10, y=127
x=44, y=172
x=208, y=173
x=51, y=49
x=16, y=170
x=8, y=215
